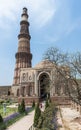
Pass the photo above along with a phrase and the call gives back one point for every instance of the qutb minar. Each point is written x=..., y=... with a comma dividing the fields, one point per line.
x=23, y=56
x=29, y=83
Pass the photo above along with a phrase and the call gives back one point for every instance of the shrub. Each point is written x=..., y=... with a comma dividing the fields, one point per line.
x=2, y=124
x=21, y=107
x=2, y=101
x=37, y=115
x=1, y=119
x=47, y=120
x=47, y=104
x=33, y=104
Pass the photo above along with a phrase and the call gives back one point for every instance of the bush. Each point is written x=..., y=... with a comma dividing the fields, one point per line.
x=33, y=104
x=47, y=104
x=2, y=101
x=1, y=119
x=2, y=126
x=37, y=115
x=47, y=120
x=21, y=107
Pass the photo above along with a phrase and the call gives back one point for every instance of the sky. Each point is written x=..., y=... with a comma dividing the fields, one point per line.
x=53, y=23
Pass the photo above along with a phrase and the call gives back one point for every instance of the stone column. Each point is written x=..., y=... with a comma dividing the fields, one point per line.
x=33, y=90
x=27, y=90
x=38, y=88
x=21, y=91
x=53, y=90
x=61, y=90
x=36, y=84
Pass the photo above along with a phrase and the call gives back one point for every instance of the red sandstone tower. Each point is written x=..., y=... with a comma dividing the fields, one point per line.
x=23, y=56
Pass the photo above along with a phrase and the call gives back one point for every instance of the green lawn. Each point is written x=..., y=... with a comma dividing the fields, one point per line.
x=8, y=111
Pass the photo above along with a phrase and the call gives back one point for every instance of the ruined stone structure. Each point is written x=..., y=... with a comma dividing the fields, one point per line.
x=5, y=91
x=38, y=82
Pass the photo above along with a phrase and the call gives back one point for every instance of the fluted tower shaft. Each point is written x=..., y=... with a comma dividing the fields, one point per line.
x=23, y=55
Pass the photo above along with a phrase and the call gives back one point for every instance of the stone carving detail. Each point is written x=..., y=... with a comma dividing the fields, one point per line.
x=27, y=77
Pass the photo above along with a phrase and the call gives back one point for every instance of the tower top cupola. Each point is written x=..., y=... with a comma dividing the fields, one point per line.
x=24, y=16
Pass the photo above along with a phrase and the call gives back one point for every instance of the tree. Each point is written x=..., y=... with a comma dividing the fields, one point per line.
x=47, y=120
x=21, y=107
x=37, y=115
x=33, y=104
x=66, y=66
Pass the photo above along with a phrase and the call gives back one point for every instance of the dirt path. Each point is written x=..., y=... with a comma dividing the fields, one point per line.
x=71, y=119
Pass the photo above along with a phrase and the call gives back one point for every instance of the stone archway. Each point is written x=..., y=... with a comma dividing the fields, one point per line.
x=44, y=85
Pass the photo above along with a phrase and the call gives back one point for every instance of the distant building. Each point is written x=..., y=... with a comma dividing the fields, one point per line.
x=33, y=83
x=5, y=91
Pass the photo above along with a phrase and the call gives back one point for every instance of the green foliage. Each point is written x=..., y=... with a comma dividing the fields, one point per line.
x=8, y=101
x=1, y=119
x=21, y=107
x=47, y=103
x=47, y=118
x=2, y=101
x=33, y=104
x=37, y=115
x=2, y=126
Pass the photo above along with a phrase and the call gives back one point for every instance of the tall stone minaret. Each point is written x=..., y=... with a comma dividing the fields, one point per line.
x=23, y=56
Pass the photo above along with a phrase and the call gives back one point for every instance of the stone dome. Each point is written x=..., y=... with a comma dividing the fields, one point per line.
x=45, y=64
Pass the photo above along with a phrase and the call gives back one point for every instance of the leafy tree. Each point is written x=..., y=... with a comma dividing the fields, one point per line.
x=37, y=115
x=68, y=68
x=47, y=120
x=21, y=107
x=33, y=104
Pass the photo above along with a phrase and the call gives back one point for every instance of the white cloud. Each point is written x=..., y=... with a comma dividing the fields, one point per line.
x=40, y=13
x=41, y=10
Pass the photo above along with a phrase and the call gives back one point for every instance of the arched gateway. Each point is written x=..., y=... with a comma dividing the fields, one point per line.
x=44, y=85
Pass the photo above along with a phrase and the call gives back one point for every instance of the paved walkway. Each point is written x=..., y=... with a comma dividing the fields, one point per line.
x=24, y=123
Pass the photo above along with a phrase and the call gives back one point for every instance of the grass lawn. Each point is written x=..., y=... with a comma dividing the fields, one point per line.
x=8, y=111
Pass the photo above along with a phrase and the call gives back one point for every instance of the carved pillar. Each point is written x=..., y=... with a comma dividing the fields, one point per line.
x=36, y=85
x=21, y=91
x=26, y=90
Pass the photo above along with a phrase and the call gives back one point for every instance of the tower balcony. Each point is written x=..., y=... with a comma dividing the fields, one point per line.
x=23, y=35
x=23, y=54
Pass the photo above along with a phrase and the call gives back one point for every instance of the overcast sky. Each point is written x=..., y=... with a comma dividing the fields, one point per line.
x=52, y=23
